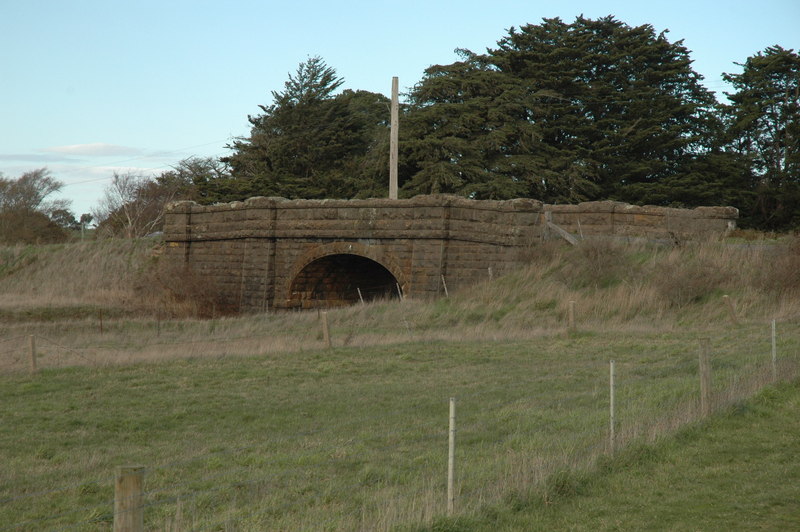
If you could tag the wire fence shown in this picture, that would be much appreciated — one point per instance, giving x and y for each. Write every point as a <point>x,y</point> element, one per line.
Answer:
<point>515,432</point>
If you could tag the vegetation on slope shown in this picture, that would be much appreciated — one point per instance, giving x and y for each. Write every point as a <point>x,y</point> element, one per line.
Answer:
<point>610,281</point>
<point>71,280</point>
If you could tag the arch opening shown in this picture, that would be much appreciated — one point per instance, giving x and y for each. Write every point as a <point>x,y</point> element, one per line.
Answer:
<point>335,281</point>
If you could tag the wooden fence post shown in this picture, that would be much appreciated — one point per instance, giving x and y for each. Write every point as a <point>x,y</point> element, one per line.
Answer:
<point>326,332</point>
<point>451,460</point>
<point>571,316</point>
<point>129,499</point>
<point>546,222</point>
<point>731,309</point>
<point>705,377</point>
<point>612,429</point>
<point>774,352</point>
<point>32,353</point>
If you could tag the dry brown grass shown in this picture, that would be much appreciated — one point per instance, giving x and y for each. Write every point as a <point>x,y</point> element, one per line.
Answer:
<point>115,301</point>
<point>94,273</point>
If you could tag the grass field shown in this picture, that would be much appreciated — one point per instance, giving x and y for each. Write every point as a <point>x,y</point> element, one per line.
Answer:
<point>248,423</point>
<point>737,471</point>
<point>349,439</point>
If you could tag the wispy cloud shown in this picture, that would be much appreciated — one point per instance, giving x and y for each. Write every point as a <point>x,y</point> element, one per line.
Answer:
<point>95,149</point>
<point>36,157</point>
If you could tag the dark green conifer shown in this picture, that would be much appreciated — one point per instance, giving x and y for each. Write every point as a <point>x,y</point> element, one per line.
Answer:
<point>311,143</point>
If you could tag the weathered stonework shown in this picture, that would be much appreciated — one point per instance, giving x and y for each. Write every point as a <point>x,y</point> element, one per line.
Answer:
<point>271,253</point>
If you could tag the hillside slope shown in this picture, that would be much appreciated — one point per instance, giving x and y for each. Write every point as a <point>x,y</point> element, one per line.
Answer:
<point>611,283</point>
<point>70,277</point>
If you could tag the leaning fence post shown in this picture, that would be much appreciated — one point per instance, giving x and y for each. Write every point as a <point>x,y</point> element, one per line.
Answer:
<point>444,285</point>
<point>129,499</point>
<point>774,352</point>
<point>451,460</point>
<point>611,432</point>
<point>32,353</point>
<point>705,378</point>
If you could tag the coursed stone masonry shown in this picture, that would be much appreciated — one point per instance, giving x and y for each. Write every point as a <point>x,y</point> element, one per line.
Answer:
<point>273,253</point>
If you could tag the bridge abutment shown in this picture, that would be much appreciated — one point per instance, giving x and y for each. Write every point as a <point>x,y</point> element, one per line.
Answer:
<point>272,253</point>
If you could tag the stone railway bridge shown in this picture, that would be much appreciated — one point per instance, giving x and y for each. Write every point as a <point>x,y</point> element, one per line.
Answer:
<point>273,253</point>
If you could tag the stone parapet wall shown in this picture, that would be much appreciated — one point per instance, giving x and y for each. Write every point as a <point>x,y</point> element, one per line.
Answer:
<point>610,218</point>
<point>252,253</point>
<point>503,222</point>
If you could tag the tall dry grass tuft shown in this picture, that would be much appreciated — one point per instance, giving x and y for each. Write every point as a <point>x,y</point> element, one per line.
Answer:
<point>683,277</point>
<point>779,270</point>
<point>176,291</point>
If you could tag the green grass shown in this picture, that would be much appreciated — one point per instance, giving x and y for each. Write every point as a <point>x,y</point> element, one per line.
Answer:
<point>353,438</point>
<point>736,471</point>
<point>246,423</point>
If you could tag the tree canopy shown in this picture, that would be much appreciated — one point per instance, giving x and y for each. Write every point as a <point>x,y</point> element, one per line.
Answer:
<point>311,143</point>
<point>27,214</point>
<point>133,204</point>
<point>764,127</point>
<point>562,112</point>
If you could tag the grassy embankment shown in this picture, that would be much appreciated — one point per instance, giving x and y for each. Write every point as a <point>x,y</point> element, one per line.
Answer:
<point>247,422</point>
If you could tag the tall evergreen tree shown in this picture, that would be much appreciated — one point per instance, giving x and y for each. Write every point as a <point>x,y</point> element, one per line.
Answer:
<point>566,112</point>
<point>461,131</point>
<point>764,117</point>
<point>311,143</point>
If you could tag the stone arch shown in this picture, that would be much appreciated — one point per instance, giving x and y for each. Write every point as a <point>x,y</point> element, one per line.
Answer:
<point>332,274</point>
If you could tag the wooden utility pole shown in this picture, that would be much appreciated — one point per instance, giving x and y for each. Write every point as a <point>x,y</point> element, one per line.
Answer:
<point>393,140</point>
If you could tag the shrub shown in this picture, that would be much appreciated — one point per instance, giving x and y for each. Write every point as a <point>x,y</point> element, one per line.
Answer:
<point>683,277</point>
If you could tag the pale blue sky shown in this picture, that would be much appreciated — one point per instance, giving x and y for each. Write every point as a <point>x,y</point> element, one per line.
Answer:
<point>93,86</point>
